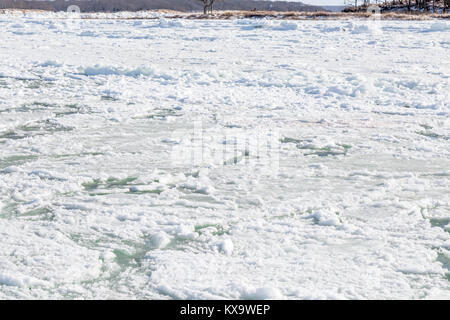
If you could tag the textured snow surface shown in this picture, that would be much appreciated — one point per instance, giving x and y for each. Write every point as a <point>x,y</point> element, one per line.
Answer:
<point>93,205</point>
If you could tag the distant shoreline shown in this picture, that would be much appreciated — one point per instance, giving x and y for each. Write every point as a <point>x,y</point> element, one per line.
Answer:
<point>227,15</point>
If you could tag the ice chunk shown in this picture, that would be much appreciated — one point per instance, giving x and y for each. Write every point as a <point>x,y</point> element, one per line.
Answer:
<point>159,240</point>
<point>263,293</point>
<point>225,246</point>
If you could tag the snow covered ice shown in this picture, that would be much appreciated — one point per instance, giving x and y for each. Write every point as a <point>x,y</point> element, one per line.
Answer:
<point>93,204</point>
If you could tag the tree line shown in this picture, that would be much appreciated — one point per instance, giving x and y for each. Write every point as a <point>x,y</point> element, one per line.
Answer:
<point>409,5</point>
<point>177,5</point>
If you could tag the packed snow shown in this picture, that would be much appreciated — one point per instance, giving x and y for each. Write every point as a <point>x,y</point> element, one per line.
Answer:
<point>105,191</point>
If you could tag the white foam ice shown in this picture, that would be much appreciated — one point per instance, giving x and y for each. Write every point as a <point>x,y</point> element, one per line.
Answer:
<point>351,202</point>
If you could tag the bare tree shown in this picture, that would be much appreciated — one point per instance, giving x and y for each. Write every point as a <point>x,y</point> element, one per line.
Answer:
<point>207,5</point>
